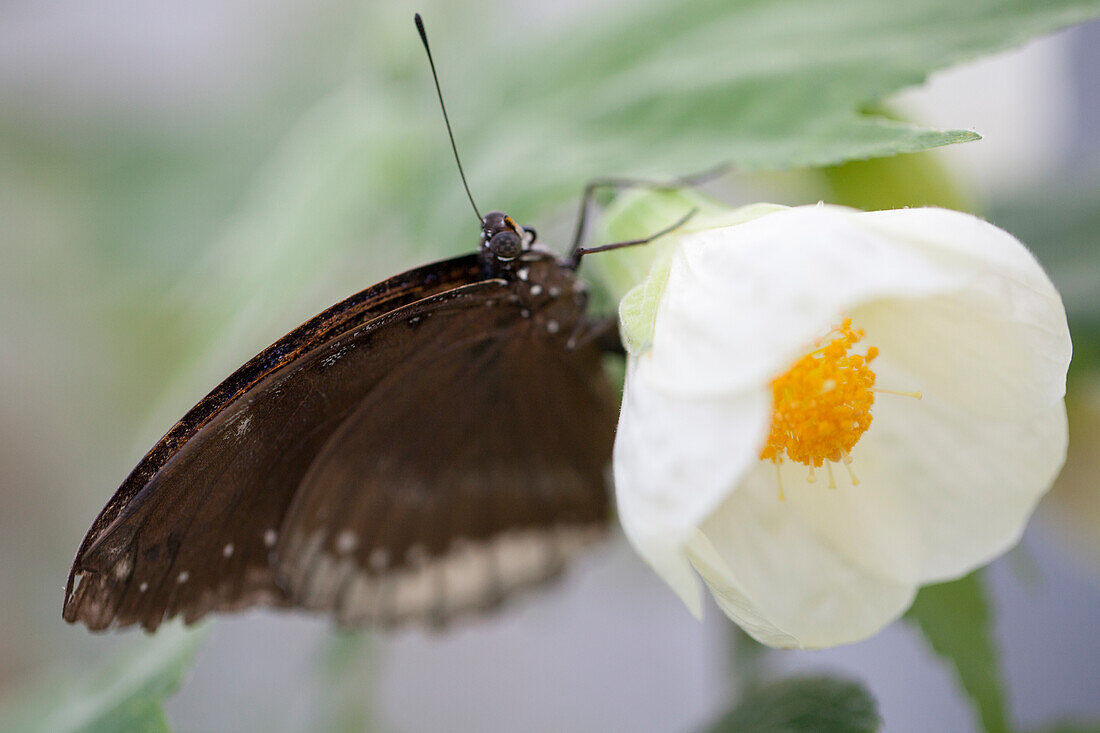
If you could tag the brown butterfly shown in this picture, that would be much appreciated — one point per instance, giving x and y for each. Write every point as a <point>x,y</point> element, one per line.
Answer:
<point>417,451</point>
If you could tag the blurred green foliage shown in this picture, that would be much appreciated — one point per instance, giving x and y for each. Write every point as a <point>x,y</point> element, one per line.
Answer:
<point>803,705</point>
<point>956,620</point>
<point>344,674</point>
<point>124,695</point>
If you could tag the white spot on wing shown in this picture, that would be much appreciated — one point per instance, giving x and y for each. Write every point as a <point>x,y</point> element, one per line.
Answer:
<point>327,575</point>
<point>414,593</point>
<point>143,587</point>
<point>552,326</point>
<point>183,577</point>
<point>522,557</point>
<point>471,575</point>
<point>123,567</point>
<point>346,541</point>
<point>536,289</point>
<point>243,425</point>
<point>270,536</point>
<point>227,551</point>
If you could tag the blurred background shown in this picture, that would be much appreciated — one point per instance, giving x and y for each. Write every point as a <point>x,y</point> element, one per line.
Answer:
<point>183,182</point>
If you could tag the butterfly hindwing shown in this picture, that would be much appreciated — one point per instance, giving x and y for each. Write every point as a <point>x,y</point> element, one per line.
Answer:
<point>474,468</point>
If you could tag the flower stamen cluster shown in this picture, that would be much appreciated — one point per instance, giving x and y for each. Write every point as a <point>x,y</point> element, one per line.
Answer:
<point>822,405</point>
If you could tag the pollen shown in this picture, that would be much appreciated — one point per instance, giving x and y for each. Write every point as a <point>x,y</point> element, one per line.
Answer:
<point>821,406</point>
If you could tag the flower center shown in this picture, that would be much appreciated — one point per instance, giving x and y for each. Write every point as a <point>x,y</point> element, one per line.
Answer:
<point>822,405</point>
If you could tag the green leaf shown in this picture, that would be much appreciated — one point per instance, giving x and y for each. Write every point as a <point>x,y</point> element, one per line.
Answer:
<point>124,695</point>
<point>955,619</point>
<point>765,84</point>
<point>803,705</point>
<point>893,183</point>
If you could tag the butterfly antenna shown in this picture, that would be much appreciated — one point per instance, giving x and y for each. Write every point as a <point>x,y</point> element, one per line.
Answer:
<point>446,119</point>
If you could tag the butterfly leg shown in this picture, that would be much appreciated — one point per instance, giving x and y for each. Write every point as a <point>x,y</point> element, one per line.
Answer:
<point>597,184</point>
<point>575,260</point>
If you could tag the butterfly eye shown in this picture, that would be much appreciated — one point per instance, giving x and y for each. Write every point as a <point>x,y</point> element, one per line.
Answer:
<point>506,245</point>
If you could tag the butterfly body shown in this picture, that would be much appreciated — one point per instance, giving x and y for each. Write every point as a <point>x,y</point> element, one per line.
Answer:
<point>416,452</point>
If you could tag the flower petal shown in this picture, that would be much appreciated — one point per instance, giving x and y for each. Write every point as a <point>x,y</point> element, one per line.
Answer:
<point>783,583</point>
<point>666,476</point>
<point>942,491</point>
<point>962,241</point>
<point>996,349</point>
<point>743,302</point>
<point>1001,346</point>
<point>949,482</point>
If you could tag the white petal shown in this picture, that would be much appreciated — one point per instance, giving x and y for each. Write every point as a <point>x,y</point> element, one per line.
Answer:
<point>675,460</point>
<point>742,303</point>
<point>948,482</point>
<point>1000,347</point>
<point>782,582</point>
<point>942,491</point>
<point>997,349</point>
<point>964,241</point>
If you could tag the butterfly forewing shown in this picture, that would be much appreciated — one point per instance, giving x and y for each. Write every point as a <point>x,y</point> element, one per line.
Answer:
<point>120,570</point>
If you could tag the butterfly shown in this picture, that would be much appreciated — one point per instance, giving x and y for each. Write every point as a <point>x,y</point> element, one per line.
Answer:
<point>416,452</point>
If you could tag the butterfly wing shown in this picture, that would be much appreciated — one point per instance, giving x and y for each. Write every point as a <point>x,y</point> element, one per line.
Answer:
<point>196,525</point>
<point>474,468</point>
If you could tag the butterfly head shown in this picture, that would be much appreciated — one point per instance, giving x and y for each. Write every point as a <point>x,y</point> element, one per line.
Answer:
<point>502,238</point>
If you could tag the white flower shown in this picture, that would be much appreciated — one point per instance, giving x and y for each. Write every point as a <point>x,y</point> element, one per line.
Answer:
<point>955,308</point>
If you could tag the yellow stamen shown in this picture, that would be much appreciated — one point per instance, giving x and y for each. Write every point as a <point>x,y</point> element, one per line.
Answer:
<point>915,395</point>
<point>779,481</point>
<point>822,405</point>
<point>847,462</point>
<point>832,479</point>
